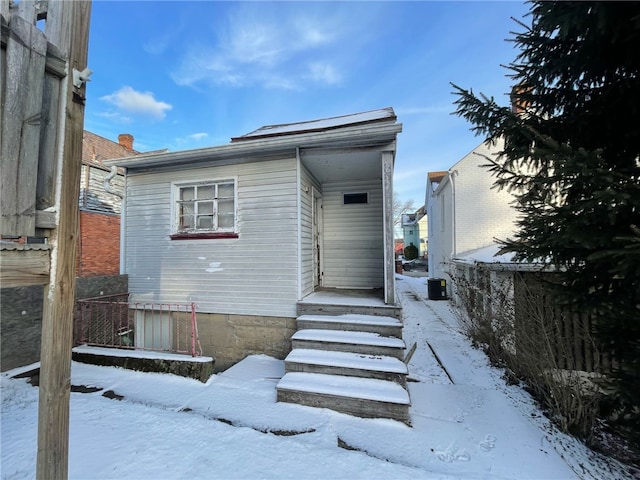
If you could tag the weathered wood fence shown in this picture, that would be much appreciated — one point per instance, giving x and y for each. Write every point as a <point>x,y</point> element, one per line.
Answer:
<point>562,339</point>
<point>33,69</point>
<point>512,309</point>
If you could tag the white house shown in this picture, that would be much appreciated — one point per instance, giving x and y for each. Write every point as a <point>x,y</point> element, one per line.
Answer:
<point>249,229</point>
<point>464,212</point>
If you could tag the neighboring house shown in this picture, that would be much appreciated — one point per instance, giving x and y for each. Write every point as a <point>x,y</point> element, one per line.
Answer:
<point>248,229</point>
<point>99,242</point>
<point>423,229</point>
<point>465,213</point>
<point>414,230</point>
<point>410,234</point>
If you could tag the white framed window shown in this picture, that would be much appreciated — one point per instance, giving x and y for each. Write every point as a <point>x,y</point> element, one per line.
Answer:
<point>205,209</point>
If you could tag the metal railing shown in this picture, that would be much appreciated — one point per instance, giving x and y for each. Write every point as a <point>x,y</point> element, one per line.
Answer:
<point>114,321</point>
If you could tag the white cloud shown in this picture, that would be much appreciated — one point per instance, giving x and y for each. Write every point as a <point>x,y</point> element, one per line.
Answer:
<point>140,103</point>
<point>264,49</point>
<point>322,72</point>
<point>198,136</point>
<point>116,117</point>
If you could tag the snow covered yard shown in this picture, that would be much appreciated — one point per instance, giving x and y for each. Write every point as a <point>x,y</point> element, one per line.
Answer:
<point>466,422</point>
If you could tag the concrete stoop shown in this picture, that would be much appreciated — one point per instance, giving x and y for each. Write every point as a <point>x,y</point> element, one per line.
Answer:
<point>367,343</point>
<point>362,397</point>
<point>200,368</point>
<point>348,363</point>
<point>386,326</point>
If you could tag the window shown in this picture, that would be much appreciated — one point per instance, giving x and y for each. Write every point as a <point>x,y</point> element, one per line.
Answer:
<point>350,198</point>
<point>205,210</point>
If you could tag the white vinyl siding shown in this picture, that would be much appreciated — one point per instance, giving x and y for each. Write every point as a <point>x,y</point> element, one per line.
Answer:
<point>353,236</point>
<point>93,196</point>
<point>254,274</point>
<point>307,187</point>
<point>441,239</point>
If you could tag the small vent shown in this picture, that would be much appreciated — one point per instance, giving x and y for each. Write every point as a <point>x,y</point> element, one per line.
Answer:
<point>350,198</point>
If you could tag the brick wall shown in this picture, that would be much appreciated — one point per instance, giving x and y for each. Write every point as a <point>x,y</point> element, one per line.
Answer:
<point>99,246</point>
<point>482,213</point>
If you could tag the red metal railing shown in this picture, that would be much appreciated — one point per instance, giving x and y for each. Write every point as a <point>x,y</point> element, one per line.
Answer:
<point>114,321</point>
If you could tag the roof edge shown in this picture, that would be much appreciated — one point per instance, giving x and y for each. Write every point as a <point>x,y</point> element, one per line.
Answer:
<point>263,146</point>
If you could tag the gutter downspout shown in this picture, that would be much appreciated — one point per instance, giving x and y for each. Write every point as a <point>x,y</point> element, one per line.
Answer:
<point>107,183</point>
<point>109,189</point>
<point>454,249</point>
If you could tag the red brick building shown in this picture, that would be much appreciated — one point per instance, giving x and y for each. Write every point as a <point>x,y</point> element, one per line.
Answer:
<point>99,242</point>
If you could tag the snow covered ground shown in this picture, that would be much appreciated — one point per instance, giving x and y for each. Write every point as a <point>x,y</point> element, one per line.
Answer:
<point>466,422</point>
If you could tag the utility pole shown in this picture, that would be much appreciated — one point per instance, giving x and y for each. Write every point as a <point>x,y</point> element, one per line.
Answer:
<point>67,27</point>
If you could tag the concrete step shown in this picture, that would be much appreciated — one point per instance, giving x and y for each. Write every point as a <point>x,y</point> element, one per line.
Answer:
<point>313,308</point>
<point>346,341</point>
<point>386,326</point>
<point>362,397</point>
<point>346,364</point>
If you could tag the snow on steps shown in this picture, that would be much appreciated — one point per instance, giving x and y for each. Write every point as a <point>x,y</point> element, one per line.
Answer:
<point>346,363</point>
<point>387,326</point>
<point>363,397</point>
<point>348,341</point>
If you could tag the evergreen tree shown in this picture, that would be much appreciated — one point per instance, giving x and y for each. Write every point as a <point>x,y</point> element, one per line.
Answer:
<point>572,158</point>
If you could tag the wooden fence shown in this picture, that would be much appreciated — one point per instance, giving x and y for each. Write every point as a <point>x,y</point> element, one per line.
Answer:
<point>561,339</point>
<point>512,310</point>
<point>33,70</point>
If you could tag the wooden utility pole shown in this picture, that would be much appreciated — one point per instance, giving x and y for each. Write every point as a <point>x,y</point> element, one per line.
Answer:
<point>67,27</point>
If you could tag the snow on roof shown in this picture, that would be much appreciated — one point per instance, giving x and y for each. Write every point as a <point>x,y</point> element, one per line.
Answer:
<point>489,256</point>
<point>381,115</point>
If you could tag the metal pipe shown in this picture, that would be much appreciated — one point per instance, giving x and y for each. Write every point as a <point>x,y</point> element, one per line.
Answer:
<point>107,182</point>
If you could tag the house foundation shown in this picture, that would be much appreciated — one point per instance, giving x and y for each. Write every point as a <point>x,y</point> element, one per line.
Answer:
<point>230,338</point>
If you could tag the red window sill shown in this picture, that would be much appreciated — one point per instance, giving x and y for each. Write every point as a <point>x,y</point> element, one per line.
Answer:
<point>202,236</point>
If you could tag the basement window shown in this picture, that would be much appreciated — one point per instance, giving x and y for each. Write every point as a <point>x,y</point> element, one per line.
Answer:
<point>351,198</point>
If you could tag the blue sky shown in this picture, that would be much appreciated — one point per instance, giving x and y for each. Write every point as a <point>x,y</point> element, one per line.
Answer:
<point>182,75</point>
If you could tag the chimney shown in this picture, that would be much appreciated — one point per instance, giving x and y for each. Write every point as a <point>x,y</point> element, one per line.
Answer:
<point>519,98</point>
<point>126,140</point>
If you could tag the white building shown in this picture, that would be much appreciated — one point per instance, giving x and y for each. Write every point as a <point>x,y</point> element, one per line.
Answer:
<point>248,229</point>
<point>464,212</point>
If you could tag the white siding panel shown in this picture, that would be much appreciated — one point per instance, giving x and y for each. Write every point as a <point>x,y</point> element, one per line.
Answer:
<point>308,184</point>
<point>255,274</point>
<point>441,231</point>
<point>353,236</point>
